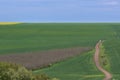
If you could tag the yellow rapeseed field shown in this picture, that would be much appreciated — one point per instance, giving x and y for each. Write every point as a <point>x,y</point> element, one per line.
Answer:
<point>9,23</point>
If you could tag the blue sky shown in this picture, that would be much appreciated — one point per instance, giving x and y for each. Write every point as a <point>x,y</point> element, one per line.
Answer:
<point>60,10</point>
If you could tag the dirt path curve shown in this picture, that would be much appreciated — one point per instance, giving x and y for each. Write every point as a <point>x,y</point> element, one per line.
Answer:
<point>108,76</point>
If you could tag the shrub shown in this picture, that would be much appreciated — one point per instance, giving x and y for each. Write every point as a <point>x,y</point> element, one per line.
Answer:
<point>41,77</point>
<point>9,71</point>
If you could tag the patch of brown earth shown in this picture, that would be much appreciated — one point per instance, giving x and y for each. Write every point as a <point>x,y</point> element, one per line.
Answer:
<point>35,60</point>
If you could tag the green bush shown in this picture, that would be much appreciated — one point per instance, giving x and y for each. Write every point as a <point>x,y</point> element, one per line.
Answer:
<point>10,71</point>
<point>41,77</point>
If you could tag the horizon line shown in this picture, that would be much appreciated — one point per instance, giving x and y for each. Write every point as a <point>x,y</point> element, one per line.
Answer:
<point>59,22</point>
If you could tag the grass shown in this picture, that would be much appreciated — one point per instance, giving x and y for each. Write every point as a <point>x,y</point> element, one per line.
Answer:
<point>112,47</point>
<point>72,70</point>
<point>104,59</point>
<point>78,68</point>
<point>28,37</point>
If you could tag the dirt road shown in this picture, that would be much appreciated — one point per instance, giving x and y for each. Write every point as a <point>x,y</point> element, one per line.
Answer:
<point>108,76</point>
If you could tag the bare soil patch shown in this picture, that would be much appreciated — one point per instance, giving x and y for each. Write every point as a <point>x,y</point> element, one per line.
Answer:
<point>35,60</point>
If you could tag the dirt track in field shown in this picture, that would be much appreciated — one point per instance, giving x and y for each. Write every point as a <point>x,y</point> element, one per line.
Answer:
<point>108,76</point>
<point>43,58</point>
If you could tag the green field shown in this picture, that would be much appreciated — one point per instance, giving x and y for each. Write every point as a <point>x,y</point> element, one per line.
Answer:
<point>112,47</point>
<point>28,37</point>
<point>77,68</point>
<point>34,37</point>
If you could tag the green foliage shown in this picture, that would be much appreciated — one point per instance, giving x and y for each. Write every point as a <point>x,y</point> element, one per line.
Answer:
<point>10,71</point>
<point>41,77</point>
<point>14,72</point>
<point>104,59</point>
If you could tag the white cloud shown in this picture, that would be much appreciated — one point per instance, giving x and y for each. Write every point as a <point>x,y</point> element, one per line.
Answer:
<point>110,2</point>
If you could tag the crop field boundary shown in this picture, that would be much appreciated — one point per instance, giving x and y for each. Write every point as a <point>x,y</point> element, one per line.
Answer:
<point>43,58</point>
